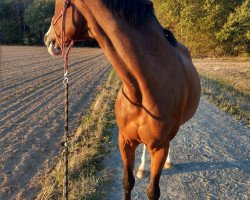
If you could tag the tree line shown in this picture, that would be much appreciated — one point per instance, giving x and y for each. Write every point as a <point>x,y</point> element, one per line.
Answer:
<point>24,21</point>
<point>207,27</point>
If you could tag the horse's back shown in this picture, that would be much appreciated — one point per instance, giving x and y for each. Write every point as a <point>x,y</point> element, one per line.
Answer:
<point>183,50</point>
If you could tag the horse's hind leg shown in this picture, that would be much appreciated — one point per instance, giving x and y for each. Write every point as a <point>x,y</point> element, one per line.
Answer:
<point>169,162</point>
<point>141,171</point>
<point>128,156</point>
<point>158,158</point>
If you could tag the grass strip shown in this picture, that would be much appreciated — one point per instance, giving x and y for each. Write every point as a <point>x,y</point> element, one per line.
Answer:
<point>87,150</point>
<point>227,98</point>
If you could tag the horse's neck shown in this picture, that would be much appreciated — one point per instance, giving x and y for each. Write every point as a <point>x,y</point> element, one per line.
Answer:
<point>123,46</point>
<point>119,48</point>
<point>122,55</point>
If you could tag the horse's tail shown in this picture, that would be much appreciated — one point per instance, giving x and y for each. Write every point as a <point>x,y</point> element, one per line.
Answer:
<point>170,37</point>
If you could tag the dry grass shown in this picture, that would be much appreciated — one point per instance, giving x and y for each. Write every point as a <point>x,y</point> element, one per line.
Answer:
<point>231,71</point>
<point>88,148</point>
<point>226,83</point>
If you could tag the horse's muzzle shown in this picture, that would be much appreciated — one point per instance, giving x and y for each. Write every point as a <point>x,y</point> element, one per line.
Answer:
<point>50,41</point>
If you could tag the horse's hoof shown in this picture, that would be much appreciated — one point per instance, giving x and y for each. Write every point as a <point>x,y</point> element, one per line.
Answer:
<point>168,165</point>
<point>141,174</point>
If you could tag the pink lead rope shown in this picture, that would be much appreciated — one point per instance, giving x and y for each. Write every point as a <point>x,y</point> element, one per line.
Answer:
<point>66,102</point>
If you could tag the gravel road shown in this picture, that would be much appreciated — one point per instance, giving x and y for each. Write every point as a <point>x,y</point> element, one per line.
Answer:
<point>31,115</point>
<point>211,156</point>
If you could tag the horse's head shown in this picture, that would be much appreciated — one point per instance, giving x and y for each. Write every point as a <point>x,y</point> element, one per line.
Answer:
<point>75,26</point>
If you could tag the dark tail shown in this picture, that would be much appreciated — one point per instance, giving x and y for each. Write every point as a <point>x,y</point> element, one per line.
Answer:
<point>170,37</point>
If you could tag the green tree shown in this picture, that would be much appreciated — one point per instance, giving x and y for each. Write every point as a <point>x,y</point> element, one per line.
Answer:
<point>10,21</point>
<point>12,24</point>
<point>168,12</point>
<point>235,34</point>
<point>8,32</point>
<point>196,22</point>
<point>38,19</point>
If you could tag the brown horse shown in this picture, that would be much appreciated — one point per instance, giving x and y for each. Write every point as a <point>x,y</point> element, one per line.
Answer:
<point>160,86</point>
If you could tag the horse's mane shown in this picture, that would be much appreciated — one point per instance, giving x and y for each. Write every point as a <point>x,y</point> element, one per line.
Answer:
<point>133,11</point>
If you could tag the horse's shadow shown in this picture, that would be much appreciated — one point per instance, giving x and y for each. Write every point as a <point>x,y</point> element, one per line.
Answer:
<point>181,168</point>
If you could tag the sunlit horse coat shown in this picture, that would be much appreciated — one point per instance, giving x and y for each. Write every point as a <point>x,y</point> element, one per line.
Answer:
<point>160,86</point>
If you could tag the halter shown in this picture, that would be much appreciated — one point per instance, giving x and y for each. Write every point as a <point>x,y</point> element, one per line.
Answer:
<point>63,38</point>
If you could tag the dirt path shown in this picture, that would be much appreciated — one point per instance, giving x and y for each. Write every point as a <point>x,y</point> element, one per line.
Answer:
<point>31,115</point>
<point>211,154</point>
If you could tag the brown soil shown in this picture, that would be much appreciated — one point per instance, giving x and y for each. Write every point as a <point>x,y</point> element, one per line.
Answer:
<point>31,116</point>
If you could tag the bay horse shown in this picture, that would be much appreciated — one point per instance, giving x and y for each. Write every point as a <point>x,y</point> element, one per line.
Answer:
<point>160,86</point>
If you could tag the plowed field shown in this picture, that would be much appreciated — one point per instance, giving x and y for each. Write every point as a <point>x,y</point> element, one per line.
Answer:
<point>31,114</point>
